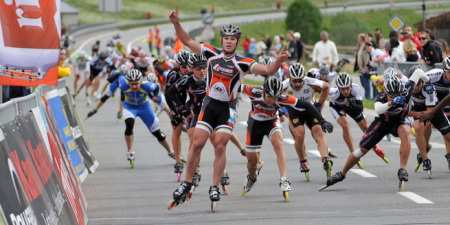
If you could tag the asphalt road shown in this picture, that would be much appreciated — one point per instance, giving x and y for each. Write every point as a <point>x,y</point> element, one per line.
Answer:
<point>118,195</point>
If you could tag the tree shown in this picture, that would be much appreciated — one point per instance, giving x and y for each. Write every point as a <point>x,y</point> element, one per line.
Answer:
<point>304,17</point>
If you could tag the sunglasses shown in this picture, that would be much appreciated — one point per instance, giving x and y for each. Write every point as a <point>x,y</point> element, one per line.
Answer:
<point>297,81</point>
<point>423,38</point>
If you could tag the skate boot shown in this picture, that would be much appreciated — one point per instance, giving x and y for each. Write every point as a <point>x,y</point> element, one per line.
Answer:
<point>360,165</point>
<point>181,194</point>
<point>304,168</point>
<point>403,178</point>
<point>447,156</point>
<point>259,167</point>
<point>196,179</point>
<point>380,153</point>
<point>426,165</point>
<point>178,170</point>
<point>250,181</point>
<point>285,186</point>
<point>225,182</point>
<point>214,196</point>
<point>331,154</point>
<point>131,158</point>
<point>419,162</point>
<point>327,166</point>
<point>338,177</point>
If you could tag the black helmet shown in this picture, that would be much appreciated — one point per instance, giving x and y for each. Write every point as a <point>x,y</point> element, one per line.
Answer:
<point>182,58</point>
<point>197,60</point>
<point>230,30</point>
<point>103,55</point>
<point>273,86</point>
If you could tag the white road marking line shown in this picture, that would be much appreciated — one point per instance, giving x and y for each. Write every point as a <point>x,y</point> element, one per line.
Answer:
<point>315,153</point>
<point>289,141</point>
<point>243,123</point>
<point>363,173</point>
<point>415,197</point>
<point>130,44</point>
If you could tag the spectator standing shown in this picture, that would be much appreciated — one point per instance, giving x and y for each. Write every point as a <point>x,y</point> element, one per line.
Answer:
<point>445,49</point>
<point>299,45</point>
<point>407,34</point>
<point>246,46</point>
<point>325,51</point>
<point>412,55</point>
<point>364,70</point>
<point>268,42</point>
<point>252,48</point>
<point>380,42</point>
<point>292,48</point>
<point>360,42</point>
<point>396,51</point>
<point>150,38</point>
<point>431,51</point>
<point>260,48</point>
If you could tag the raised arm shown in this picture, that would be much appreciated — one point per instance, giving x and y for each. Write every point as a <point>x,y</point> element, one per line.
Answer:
<point>270,69</point>
<point>182,34</point>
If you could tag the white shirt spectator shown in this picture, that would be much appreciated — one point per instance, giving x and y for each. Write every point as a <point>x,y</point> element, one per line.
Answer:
<point>325,53</point>
<point>398,54</point>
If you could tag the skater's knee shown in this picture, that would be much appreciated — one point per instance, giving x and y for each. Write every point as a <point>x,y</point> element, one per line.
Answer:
<point>129,125</point>
<point>403,131</point>
<point>159,135</point>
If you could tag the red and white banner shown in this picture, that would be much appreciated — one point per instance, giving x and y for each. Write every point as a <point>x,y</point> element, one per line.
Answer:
<point>29,41</point>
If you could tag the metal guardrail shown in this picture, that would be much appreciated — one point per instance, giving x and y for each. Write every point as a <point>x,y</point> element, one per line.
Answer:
<point>405,67</point>
<point>19,106</point>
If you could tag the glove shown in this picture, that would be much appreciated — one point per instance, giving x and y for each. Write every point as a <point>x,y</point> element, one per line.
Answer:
<point>318,106</point>
<point>327,127</point>
<point>429,88</point>
<point>399,101</point>
<point>283,111</point>
<point>91,113</point>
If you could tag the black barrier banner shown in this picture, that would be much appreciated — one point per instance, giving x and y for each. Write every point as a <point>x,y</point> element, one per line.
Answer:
<point>74,122</point>
<point>31,192</point>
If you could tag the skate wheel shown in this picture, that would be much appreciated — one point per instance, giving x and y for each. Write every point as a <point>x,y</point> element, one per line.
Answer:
<point>213,207</point>
<point>307,177</point>
<point>386,160</point>
<point>429,174</point>
<point>225,189</point>
<point>401,186</point>
<point>172,204</point>
<point>132,164</point>
<point>286,196</point>
<point>417,167</point>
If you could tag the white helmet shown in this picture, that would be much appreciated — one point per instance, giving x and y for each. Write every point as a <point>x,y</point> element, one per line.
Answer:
<point>296,71</point>
<point>343,80</point>
<point>393,86</point>
<point>133,75</point>
<point>446,64</point>
<point>265,60</point>
<point>390,72</point>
